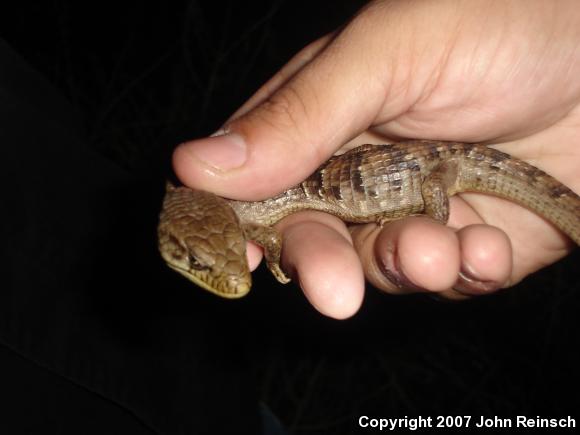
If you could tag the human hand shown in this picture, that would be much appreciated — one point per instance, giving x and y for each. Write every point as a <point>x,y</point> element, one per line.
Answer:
<point>504,73</point>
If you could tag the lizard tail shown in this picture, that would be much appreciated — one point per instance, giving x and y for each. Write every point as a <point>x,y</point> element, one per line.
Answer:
<point>524,184</point>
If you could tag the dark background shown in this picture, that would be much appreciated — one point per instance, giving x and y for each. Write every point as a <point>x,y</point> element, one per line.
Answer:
<point>145,76</point>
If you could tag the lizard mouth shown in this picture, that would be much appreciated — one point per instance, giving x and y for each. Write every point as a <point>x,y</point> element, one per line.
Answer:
<point>236,287</point>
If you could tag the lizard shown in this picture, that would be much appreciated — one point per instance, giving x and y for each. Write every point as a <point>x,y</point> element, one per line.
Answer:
<point>203,236</point>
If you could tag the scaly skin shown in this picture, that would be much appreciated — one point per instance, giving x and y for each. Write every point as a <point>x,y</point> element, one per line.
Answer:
<point>203,236</point>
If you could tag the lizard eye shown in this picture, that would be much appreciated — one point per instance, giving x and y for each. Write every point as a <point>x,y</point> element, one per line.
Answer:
<point>194,263</point>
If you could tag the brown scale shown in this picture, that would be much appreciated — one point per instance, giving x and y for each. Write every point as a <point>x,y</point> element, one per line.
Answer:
<point>203,236</point>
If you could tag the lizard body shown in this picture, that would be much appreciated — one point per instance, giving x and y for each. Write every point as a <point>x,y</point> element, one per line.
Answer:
<point>203,236</point>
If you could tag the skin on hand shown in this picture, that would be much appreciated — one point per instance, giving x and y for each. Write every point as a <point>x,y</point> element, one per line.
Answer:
<point>503,73</point>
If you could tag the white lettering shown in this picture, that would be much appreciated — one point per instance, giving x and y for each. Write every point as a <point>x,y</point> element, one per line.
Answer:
<point>523,421</point>
<point>395,423</point>
<point>494,422</point>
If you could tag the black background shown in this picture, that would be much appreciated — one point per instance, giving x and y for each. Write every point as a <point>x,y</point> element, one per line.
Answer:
<point>145,76</point>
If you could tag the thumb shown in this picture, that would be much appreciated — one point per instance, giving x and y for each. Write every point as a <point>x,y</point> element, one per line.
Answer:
<point>331,99</point>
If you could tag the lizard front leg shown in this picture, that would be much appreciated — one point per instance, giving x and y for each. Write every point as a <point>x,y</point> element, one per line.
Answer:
<point>269,239</point>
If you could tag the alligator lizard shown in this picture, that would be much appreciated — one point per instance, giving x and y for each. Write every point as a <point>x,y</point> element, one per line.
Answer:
<point>203,236</point>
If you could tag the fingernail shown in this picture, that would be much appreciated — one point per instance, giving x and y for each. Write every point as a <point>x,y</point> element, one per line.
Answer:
<point>469,285</point>
<point>390,268</point>
<point>220,151</point>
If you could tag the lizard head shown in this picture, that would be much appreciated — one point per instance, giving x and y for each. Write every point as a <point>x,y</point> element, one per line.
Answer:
<point>200,237</point>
